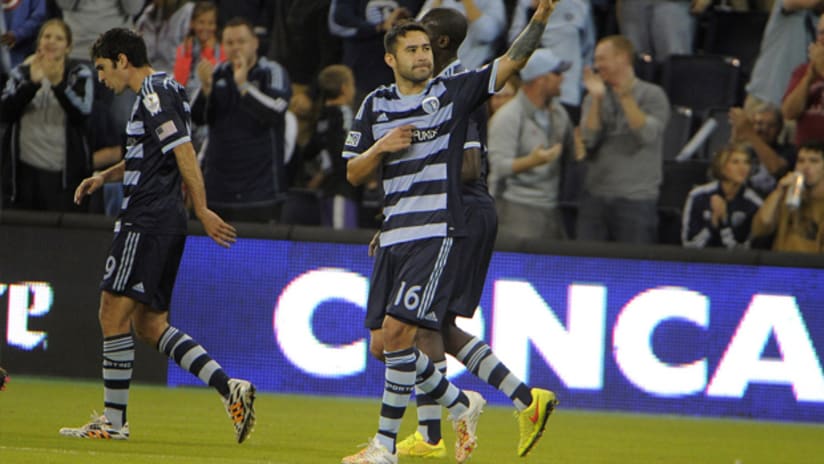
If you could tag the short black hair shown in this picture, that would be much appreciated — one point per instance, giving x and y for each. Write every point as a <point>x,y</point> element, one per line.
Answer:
<point>813,145</point>
<point>400,29</point>
<point>446,22</point>
<point>119,40</point>
<point>240,21</point>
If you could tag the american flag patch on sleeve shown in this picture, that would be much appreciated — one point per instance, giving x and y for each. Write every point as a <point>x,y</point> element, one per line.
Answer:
<point>166,130</point>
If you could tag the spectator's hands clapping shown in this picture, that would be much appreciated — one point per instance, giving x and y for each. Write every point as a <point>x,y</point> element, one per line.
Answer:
<point>399,138</point>
<point>542,155</point>
<point>204,74</point>
<point>53,67</point>
<point>719,210</point>
<point>593,83</point>
<point>740,123</point>
<point>815,52</point>
<point>240,66</point>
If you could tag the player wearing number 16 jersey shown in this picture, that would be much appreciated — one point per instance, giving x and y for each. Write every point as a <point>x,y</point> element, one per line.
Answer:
<point>404,134</point>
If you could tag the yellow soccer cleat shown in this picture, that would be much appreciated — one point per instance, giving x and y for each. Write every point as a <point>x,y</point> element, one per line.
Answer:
<point>532,420</point>
<point>415,445</point>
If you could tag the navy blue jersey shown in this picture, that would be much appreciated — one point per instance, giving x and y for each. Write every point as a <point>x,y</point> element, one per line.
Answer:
<point>476,189</point>
<point>422,184</point>
<point>160,121</point>
<point>697,230</point>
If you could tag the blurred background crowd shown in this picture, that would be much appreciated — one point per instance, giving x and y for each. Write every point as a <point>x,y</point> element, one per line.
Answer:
<point>640,121</point>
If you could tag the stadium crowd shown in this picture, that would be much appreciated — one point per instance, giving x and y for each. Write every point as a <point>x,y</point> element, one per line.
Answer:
<point>590,142</point>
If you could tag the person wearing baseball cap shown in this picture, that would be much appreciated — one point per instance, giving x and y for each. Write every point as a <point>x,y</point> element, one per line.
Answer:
<point>530,138</point>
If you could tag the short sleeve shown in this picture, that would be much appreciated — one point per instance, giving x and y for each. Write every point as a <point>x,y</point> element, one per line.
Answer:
<point>166,118</point>
<point>471,88</point>
<point>359,138</point>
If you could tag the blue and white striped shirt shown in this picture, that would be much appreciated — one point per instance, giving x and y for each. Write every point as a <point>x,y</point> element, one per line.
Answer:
<point>422,184</point>
<point>160,121</point>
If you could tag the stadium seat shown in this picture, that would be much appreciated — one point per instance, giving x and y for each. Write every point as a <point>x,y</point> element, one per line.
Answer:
<point>678,131</point>
<point>646,68</point>
<point>735,33</point>
<point>701,82</point>
<point>720,137</point>
<point>678,179</point>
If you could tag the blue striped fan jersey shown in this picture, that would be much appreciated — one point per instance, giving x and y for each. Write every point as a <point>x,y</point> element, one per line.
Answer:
<point>422,184</point>
<point>160,121</point>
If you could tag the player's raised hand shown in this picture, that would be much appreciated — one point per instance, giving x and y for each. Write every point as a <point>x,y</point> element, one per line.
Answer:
<point>87,187</point>
<point>220,231</point>
<point>397,139</point>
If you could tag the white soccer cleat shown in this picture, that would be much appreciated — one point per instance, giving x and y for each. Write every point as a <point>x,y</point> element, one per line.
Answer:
<point>374,453</point>
<point>241,407</point>
<point>99,428</point>
<point>465,426</point>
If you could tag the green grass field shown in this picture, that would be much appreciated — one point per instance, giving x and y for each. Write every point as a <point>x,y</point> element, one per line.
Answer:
<point>189,426</point>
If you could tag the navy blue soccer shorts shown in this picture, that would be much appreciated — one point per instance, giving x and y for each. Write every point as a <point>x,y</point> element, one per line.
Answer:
<point>143,266</point>
<point>413,282</point>
<point>473,253</point>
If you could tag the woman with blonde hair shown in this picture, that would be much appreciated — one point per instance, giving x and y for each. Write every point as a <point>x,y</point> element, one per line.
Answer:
<point>47,102</point>
<point>720,213</point>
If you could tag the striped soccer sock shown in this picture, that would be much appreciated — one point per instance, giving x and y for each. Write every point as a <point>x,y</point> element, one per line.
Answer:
<point>478,357</point>
<point>189,355</point>
<point>438,387</point>
<point>118,361</point>
<point>400,379</point>
<point>429,411</point>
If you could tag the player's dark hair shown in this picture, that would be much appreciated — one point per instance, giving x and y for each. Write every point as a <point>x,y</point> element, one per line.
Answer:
<point>118,41</point>
<point>447,22</point>
<point>332,79</point>
<point>240,21</point>
<point>400,29</point>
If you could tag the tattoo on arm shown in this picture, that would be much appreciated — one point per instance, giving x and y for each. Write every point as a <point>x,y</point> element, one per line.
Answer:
<point>527,41</point>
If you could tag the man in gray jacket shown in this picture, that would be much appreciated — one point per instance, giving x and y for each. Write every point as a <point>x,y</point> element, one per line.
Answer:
<point>527,138</point>
<point>623,130</point>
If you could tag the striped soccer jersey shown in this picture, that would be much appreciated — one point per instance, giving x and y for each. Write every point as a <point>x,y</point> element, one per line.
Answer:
<point>422,184</point>
<point>160,121</point>
<point>477,189</point>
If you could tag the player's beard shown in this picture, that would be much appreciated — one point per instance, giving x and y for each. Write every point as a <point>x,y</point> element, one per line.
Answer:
<point>418,74</point>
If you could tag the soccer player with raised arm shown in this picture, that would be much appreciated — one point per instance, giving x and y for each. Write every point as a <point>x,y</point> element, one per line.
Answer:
<point>149,236</point>
<point>403,133</point>
<point>447,29</point>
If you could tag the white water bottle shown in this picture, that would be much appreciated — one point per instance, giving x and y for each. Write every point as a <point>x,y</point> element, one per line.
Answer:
<point>794,191</point>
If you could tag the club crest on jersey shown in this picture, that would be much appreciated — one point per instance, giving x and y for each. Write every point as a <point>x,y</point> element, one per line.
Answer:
<point>431,104</point>
<point>353,139</point>
<point>152,103</point>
